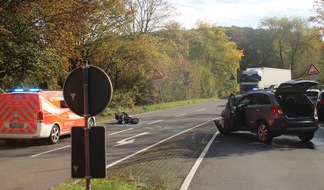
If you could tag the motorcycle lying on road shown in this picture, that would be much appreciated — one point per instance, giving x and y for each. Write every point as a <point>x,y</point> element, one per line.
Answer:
<point>124,118</point>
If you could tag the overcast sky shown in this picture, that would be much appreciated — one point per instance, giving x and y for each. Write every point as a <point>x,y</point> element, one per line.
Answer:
<point>238,12</point>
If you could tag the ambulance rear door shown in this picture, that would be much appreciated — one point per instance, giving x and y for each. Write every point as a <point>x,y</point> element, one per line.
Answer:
<point>18,114</point>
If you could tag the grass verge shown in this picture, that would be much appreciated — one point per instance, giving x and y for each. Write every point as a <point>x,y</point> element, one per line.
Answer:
<point>101,184</point>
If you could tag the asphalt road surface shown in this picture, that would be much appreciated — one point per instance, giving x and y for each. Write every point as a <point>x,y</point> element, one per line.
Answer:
<point>240,162</point>
<point>236,161</point>
<point>36,165</point>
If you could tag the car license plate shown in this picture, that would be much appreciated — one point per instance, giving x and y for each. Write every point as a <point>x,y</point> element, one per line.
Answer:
<point>16,125</point>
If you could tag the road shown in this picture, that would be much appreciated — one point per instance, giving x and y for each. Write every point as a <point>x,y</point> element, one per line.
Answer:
<point>239,162</point>
<point>35,165</point>
<point>236,161</point>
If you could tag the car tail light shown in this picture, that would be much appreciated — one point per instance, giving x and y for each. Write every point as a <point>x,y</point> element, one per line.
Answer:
<point>276,110</point>
<point>320,102</point>
<point>315,113</point>
<point>40,117</point>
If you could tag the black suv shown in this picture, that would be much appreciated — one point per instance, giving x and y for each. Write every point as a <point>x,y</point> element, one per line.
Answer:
<point>285,111</point>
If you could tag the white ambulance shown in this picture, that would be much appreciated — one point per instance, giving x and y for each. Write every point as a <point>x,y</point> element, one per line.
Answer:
<point>36,114</point>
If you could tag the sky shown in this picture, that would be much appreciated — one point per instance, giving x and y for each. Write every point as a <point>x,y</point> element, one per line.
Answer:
<point>242,13</point>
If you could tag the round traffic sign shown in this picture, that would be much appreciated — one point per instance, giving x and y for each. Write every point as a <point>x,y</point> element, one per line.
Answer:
<point>98,88</point>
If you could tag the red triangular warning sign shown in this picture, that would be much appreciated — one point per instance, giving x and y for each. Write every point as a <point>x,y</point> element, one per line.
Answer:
<point>157,75</point>
<point>312,70</point>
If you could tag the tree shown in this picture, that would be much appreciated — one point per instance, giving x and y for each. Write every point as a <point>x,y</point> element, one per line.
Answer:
<point>39,38</point>
<point>220,56</point>
<point>319,18</point>
<point>257,46</point>
<point>18,42</point>
<point>175,82</point>
<point>43,40</point>
<point>295,43</point>
<point>150,15</point>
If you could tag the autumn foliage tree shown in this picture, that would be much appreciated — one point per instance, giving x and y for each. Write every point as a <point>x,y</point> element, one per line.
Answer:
<point>319,18</point>
<point>18,42</point>
<point>295,42</point>
<point>149,15</point>
<point>41,41</point>
<point>39,37</point>
<point>216,58</point>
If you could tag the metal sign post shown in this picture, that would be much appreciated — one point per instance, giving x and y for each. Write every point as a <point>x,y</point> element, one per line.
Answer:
<point>158,78</point>
<point>88,98</point>
<point>86,126</point>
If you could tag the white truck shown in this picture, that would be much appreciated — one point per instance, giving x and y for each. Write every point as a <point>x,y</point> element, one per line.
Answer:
<point>263,78</point>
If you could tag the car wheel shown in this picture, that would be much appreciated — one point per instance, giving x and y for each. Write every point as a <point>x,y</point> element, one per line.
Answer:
<point>306,136</point>
<point>263,133</point>
<point>55,135</point>
<point>134,120</point>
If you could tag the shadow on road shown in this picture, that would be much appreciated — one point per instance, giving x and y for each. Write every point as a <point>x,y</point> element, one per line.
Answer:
<point>245,143</point>
<point>27,143</point>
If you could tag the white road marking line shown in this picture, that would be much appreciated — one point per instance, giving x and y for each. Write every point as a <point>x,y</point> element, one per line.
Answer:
<point>194,168</point>
<point>129,140</point>
<point>35,155</point>
<point>180,115</point>
<point>155,122</point>
<point>155,144</point>
<point>46,152</point>
<point>200,110</point>
<point>120,131</point>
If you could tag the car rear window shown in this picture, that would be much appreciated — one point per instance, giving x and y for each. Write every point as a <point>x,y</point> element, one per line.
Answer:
<point>261,99</point>
<point>264,99</point>
<point>312,93</point>
<point>256,99</point>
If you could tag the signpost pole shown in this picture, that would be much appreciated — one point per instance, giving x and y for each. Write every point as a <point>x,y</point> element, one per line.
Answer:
<point>86,98</point>
<point>158,78</point>
<point>86,126</point>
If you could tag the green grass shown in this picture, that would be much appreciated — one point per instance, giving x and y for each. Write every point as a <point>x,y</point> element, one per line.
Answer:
<point>101,184</point>
<point>117,183</point>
